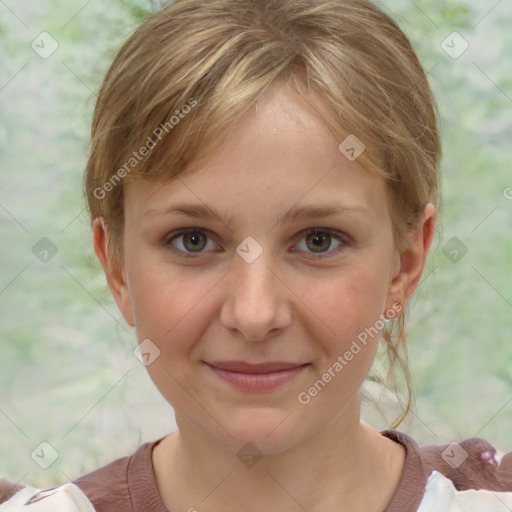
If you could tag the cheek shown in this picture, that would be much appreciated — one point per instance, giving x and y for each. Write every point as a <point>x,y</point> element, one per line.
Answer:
<point>171,310</point>
<point>170,303</point>
<point>164,306</point>
<point>348,303</point>
<point>346,328</point>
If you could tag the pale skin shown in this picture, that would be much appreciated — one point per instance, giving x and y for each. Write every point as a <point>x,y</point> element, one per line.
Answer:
<point>285,305</point>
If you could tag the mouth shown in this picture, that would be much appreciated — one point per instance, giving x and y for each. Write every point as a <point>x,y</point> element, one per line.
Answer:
<point>256,377</point>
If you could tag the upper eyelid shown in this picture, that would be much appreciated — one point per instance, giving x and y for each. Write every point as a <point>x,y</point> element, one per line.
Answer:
<point>183,231</point>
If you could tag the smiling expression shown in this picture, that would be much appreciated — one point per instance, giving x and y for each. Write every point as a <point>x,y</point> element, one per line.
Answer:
<point>278,248</point>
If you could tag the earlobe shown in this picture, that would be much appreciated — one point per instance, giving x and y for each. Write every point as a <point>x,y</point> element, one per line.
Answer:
<point>412,261</point>
<point>115,276</point>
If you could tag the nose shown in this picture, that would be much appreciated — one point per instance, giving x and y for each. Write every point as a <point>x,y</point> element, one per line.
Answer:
<point>256,305</point>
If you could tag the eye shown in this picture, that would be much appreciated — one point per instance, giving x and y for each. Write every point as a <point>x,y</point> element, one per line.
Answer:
<point>190,242</point>
<point>194,240</point>
<point>319,239</point>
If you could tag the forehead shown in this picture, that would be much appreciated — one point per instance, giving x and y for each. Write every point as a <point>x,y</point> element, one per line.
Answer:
<point>279,153</point>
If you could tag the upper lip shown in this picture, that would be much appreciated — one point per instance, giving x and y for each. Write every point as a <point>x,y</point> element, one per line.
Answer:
<point>244,367</point>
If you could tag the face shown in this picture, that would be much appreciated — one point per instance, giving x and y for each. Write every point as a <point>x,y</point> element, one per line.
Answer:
<point>269,282</point>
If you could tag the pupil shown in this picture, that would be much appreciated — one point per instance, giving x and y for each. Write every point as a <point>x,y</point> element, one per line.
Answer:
<point>195,238</point>
<point>318,239</point>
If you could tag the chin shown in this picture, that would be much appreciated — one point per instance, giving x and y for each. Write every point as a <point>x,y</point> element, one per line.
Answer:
<point>270,431</point>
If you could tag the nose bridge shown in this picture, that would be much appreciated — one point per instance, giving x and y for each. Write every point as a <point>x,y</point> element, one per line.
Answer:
<point>253,278</point>
<point>254,305</point>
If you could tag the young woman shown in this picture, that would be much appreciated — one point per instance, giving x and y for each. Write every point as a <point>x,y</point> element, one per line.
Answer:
<point>262,186</point>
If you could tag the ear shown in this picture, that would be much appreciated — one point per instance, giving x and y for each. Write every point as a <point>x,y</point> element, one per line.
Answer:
<point>115,276</point>
<point>412,261</point>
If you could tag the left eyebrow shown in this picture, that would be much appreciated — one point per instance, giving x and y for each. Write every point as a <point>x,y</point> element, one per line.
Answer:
<point>202,211</point>
<point>321,211</point>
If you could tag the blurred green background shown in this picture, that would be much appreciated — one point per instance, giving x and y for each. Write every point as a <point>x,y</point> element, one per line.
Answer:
<point>67,370</point>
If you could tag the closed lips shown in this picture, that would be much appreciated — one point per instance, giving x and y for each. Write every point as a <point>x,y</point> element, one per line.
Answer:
<point>249,368</point>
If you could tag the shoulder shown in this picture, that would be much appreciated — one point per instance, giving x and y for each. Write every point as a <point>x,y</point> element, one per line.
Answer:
<point>471,463</point>
<point>108,488</point>
<point>470,474</point>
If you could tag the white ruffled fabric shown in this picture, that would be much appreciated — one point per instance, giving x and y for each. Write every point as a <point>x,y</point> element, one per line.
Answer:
<point>442,496</point>
<point>66,498</point>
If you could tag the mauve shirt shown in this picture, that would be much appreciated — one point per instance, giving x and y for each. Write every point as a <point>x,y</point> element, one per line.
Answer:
<point>469,475</point>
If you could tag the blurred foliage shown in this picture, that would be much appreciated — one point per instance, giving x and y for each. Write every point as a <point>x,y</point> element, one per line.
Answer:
<point>137,11</point>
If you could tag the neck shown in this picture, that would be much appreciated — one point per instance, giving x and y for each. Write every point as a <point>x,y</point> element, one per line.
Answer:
<point>335,469</point>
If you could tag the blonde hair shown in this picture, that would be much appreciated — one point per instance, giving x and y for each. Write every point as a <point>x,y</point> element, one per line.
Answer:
<point>190,70</point>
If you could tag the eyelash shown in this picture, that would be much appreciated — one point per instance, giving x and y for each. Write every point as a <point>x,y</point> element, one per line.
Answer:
<point>339,236</point>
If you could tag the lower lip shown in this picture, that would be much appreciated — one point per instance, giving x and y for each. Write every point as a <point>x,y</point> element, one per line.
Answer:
<point>258,381</point>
